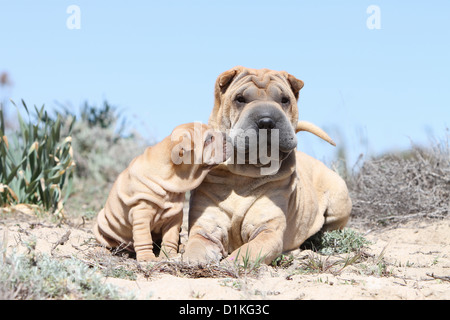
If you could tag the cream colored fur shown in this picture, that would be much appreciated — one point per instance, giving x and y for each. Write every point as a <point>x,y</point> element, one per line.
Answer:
<point>146,201</point>
<point>238,212</point>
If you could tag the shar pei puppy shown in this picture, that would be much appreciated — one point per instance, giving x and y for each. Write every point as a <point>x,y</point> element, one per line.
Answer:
<point>255,205</point>
<point>146,201</point>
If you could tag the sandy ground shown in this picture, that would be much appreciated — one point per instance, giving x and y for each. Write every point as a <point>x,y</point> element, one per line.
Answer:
<point>411,261</point>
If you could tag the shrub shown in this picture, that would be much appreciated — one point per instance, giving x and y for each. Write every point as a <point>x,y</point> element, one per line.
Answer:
<point>34,276</point>
<point>104,117</point>
<point>336,242</point>
<point>35,162</point>
<point>103,147</point>
<point>100,154</point>
<point>395,187</point>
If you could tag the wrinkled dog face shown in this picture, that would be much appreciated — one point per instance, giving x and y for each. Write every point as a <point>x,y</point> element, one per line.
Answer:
<point>258,108</point>
<point>199,146</point>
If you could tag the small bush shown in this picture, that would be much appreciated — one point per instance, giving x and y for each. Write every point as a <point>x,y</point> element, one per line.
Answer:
<point>35,162</point>
<point>37,277</point>
<point>399,186</point>
<point>104,117</point>
<point>336,242</point>
<point>100,153</point>
<point>103,146</point>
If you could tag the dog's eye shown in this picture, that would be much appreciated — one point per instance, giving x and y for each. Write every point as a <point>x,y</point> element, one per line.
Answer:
<point>285,100</point>
<point>240,98</point>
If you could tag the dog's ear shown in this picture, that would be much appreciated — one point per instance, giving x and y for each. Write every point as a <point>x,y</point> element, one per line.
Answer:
<point>224,79</point>
<point>222,83</point>
<point>295,84</point>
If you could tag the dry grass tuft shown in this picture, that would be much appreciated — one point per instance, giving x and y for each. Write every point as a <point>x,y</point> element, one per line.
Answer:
<point>401,186</point>
<point>183,269</point>
<point>114,264</point>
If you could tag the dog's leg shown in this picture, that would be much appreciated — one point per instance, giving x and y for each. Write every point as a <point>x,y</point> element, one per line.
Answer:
<point>205,246</point>
<point>208,234</point>
<point>142,239</point>
<point>262,233</point>
<point>337,213</point>
<point>337,202</point>
<point>171,236</point>
<point>263,248</point>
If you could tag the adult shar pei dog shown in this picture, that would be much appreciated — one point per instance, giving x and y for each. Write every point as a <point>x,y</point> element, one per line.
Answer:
<point>254,208</point>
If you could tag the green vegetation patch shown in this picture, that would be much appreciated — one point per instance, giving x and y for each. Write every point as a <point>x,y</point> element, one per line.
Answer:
<point>37,277</point>
<point>337,241</point>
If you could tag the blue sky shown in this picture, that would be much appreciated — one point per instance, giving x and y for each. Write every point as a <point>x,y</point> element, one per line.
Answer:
<point>373,90</point>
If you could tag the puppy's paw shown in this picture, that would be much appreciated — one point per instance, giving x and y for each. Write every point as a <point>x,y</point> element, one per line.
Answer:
<point>145,256</point>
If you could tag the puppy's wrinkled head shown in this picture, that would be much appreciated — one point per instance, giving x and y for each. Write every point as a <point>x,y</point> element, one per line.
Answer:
<point>198,145</point>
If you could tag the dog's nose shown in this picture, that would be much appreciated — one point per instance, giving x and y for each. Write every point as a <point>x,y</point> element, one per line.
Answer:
<point>266,123</point>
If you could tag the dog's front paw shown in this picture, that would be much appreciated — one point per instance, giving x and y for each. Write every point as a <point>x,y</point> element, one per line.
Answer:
<point>168,253</point>
<point>197,252</point>
<point>145,256</point>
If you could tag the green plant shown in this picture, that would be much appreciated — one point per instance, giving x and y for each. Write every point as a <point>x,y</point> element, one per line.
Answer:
<point>244,264</point>
<point>104,157</point>
<point>337,242</point>
<point>317,263</point>
<point>104,117</point>
<point>35,276</point>
<point>103,145</point>
<point>283,261</point>
<point>121,273</point>
<point>35,162</point>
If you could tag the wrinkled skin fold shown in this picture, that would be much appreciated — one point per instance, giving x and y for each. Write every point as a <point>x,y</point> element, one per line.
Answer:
<point>146,201</point>
<point>238,212</point>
